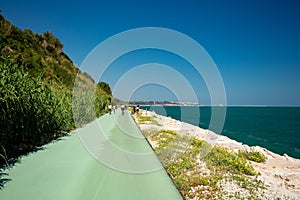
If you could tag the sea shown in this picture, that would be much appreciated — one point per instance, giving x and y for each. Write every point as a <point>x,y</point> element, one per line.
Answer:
<point>274,128</point>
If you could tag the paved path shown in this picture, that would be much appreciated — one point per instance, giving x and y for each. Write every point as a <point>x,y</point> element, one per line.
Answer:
<point>107,159</point>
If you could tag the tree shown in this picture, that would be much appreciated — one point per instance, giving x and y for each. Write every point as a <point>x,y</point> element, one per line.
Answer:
<point>105,87</point>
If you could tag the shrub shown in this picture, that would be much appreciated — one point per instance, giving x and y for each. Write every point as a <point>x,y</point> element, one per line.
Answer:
<point>147,119</point>
<point>88,102</point>
<point>192,162</point>
<point>253,156</point>
<point>222,158</point>
<point>32,113</point>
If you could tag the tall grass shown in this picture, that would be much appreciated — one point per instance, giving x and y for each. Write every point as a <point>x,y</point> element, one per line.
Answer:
<point>89,101</point>
<point>31,112</point>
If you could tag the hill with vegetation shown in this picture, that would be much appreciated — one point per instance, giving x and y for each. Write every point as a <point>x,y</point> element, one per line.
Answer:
<point>36,91</point>
<point>39,54</point>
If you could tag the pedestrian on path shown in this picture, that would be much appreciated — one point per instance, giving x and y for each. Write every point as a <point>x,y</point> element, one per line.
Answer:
<point>109,108</point>
<point>123,109</point>
<point>133,110</point>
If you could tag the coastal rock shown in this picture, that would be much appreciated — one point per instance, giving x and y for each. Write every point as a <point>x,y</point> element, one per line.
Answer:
<point>279,173</point>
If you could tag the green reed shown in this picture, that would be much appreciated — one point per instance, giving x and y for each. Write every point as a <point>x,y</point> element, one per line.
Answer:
<point>32,113</point>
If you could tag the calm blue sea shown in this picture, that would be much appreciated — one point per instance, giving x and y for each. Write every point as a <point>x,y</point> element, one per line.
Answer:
<point>275,128</point>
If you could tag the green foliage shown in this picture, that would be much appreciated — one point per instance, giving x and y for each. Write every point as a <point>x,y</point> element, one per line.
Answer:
<point>147,119</point>
<point>192,162</point>
<point>103,98</point>
<point>39,54</point>
<point>185,170</point>
<point>3,180</point>
<point>105,88</point>
<point>83,106</point>
<point>88,101</point>
<point>222,158</point>
<point>253,156</point>
<point>2,174</point>
<point>36,97</point>
<point>101,104</point>
<point>32,113</point>
<point>3,156</point>
<point>164,138</point>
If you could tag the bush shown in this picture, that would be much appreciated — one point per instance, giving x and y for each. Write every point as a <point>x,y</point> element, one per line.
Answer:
<point>31,112</point>
<point>221,157</point>
<point>88,102</point>
<point>198,169</point>
<point>253,156</point>
<point>147,120</point>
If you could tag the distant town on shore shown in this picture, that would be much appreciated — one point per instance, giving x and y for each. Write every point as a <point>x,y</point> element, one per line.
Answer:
<point>162,103</point>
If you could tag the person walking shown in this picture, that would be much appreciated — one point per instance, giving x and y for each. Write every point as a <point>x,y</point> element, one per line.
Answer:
<point>109,108</point>
<point>123,109</point>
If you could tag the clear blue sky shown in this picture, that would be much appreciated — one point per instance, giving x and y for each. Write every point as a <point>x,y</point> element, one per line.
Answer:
<point>255,44</point>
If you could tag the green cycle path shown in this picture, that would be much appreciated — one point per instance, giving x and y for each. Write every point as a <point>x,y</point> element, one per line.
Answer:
<point>107,159</point>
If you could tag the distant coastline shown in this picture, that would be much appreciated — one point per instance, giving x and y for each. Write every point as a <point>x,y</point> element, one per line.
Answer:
<point>170,103</point>
<point>163,103</point>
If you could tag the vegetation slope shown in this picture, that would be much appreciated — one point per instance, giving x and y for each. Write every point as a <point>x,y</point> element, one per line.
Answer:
<point>36,91</point>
